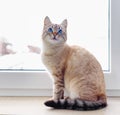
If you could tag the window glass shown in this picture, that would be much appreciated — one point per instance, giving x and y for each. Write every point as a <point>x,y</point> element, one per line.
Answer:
<point>21,23</point>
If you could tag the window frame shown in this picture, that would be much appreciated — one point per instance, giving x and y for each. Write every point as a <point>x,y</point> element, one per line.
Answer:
<point>38,83</point>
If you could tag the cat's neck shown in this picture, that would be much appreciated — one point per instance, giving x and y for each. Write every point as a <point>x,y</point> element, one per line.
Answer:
<point>51,50</point>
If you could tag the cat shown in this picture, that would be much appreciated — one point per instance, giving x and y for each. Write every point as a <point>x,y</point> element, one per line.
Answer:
<point>72,68</point>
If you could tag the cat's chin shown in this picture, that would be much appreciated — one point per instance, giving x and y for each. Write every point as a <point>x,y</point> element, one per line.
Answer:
<point>54,38</point>
<point>58,40</point>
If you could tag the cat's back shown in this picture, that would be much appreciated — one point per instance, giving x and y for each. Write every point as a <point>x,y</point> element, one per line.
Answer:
<point>80,53</point>
<point>82,59</point>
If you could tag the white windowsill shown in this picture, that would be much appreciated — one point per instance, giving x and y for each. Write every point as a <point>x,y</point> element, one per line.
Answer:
<point>39,85</point>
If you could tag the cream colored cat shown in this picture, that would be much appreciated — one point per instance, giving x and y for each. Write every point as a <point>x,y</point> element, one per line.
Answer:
<point>73,68</point>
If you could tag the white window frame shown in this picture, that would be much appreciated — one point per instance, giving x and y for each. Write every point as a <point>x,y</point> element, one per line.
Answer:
<point>39,83</point>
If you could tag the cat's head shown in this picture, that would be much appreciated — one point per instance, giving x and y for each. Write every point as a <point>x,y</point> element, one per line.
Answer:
<point>54,33</point>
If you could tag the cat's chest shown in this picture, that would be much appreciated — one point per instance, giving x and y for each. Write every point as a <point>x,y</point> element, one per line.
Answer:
<point>51,62</point>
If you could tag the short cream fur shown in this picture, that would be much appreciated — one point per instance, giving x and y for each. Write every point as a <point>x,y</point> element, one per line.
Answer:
<point>72,67</point>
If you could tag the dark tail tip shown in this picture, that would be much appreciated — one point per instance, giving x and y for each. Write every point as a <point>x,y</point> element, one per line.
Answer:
<point>51,103</point>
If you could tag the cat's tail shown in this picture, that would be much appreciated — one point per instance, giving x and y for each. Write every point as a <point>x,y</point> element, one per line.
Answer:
<point>76,104</point>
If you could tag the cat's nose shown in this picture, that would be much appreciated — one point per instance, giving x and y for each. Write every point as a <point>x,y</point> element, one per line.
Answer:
<point>54,33</point>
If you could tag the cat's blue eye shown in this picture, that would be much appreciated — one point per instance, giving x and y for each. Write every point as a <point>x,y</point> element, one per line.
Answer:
<point>50,30</point>
<point>60,31</point>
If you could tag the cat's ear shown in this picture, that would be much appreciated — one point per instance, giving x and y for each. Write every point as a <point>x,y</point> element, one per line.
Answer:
<point>64,23</point>
<point>47,21</point>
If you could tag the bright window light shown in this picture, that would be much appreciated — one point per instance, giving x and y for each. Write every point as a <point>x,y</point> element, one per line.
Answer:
<point>21,24</point>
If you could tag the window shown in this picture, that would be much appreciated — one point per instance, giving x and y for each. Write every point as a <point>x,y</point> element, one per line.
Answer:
<point>21,26</point>
<point>89,26</point>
